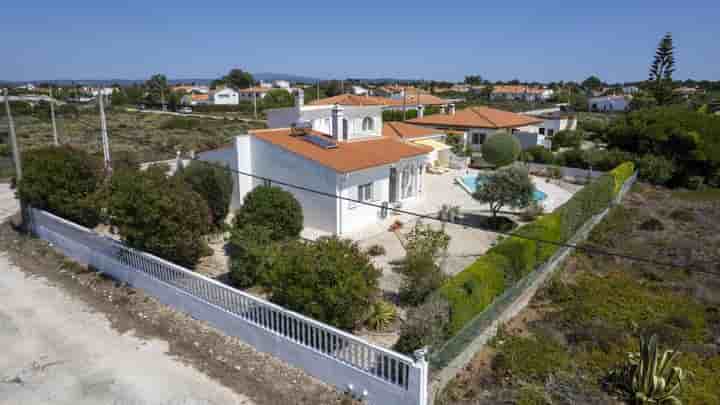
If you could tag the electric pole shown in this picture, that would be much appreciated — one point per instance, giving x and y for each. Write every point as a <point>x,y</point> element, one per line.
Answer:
<point>104,135</point>
<point>15,154</point>
<point>52,117</point>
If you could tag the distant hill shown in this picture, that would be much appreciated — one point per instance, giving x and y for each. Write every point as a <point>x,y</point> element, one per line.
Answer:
<point>268,77</point>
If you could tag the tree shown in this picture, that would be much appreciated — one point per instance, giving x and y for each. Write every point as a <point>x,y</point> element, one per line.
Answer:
<point>420,272</point>
<point>239,79</point>
<point>212,182</point>
<point>159,215</point>
<point>473,80</point>
<point>501,149</point>
<point>509,186</point>
<point>592,83</point>
<point>157,88</point>
<point>333,88</point>
<point>63,181</point>
<point>118,97</point>
<point>331,280</point>
<point>278,98</point>
<point>661,71</point>
<point>274,208</point>
<point>251,251</point>
<point>487,91</point>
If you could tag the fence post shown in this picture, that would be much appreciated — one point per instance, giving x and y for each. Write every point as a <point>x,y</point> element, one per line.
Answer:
<point>418,380</point>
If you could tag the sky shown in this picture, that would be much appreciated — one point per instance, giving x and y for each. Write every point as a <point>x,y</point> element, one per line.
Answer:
<point>434,40</point>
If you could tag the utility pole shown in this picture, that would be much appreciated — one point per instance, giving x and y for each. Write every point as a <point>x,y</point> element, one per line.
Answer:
<point>16,155</point>
<point>52,116</point>
<point>104,135</point>
<point>404,91</point>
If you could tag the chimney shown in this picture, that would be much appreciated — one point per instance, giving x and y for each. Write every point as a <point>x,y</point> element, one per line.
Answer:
<point>420,111</point>
<point>442,109</point>
<point>451,109</point>
<point>300,99</point>
<point>337,121</point>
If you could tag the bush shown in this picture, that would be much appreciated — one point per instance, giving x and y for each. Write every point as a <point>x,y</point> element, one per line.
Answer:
<point>421,275</point>
<point>655,169</point>
<point>63,181</point>
<point>510,186</point>
<point>567,139</point>
<point>376,250</point>
<point>212,182</point>
<point>251,251</point>
<point>159,215</point>
<point>621,174</point>
<point>181,123</point>
<point>382,315</point>
<point>273,208</point>
<point>397,115</point>
<point>501,149</point>
<point>695,183</point>
<point>426,325</point>
<point>330,280</point>
<point>540,154</point>
<point>533,359</point>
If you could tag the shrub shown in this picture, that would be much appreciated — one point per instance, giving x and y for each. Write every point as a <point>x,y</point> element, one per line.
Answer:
<point>501,149</point>
<point>540,154</point>
<point>572,158</point>
<point>567,139</point>
<point>251,251</point>
<point>621,174</point>
<point>181,123</point>
<point>426,325</point>
<point>273,208</point>
<point>695,183</point>
<point>420,273</point>
<point>62,180</point>
<point>382,315</point>
<point>533,211</point>
<point>533,359</point>
<point>212,182</point>
<point>159,215</point>
<point>331,280</point>
<point>655,169</point>
<point>376,250</point>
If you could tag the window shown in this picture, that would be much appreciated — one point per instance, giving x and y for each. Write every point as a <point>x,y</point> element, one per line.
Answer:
<point>541,131</point>
<point>551,132</point>
<point>365,192</point>
<point>514,131</point>
<point>368,124</point>
<point>475,139</point>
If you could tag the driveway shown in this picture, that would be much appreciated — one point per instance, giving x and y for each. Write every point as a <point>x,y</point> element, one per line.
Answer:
<point>56,350</point>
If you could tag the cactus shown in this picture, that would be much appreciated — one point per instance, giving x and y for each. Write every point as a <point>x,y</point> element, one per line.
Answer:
<point>648,377</point>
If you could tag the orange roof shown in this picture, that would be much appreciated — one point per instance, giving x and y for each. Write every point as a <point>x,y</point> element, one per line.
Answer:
<point>478,117</point>
<point>517,89</point>
<point>403,130</point>
<point>351,99</point>
<point>199,97</point>
<point>425,99</point>
<point>348,156</point>
<point>256,90</point>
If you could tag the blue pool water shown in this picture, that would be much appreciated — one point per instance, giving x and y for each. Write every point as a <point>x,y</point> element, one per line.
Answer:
<point>470,181</point>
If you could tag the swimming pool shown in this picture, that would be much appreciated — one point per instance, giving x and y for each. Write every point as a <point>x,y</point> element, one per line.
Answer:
<point>470,181</point>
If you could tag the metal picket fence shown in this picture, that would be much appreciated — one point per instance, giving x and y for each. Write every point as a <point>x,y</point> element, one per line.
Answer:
<point>378,375</point>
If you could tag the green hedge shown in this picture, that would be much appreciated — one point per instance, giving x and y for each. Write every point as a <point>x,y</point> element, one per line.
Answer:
<point>472,290</point>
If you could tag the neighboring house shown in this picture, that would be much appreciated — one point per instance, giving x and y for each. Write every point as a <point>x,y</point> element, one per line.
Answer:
<point>478,123</point>
<point>410,102</point>
<point>360,91</point>
<point>226,96</point>
<point>687,92</point>
<point>554,121</point>
<point>94,91</point>
<point>253,93</point>
<point>609,103</point>
<point>521,93</point>
<point>630,90</point>
<point>195,99</point>
<point>431,138</point>
<point>181,88</point>
<point>27,86</point>
<point>353,160</point>
<point>281,84</point>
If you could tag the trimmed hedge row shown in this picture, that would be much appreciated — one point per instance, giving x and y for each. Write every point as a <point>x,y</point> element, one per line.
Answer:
<point>474,289</point>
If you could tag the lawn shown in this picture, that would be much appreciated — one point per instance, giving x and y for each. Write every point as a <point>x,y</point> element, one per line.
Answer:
<point>580,326</point>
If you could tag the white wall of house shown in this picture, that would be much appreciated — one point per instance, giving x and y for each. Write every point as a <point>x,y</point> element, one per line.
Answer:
<point>225,97</point>
<point>248,95</point>
<point>320,117</point>
<point>531,139</point>
<point>608,104</point>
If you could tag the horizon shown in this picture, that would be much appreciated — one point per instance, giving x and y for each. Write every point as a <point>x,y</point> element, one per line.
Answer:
<point>556,42</point>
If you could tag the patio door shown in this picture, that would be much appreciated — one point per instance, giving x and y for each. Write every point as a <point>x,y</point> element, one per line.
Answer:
<point>393,185</point>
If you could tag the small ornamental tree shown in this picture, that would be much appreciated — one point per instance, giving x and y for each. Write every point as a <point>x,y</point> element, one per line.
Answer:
<point>501,149</point>
<point>212,182</point>
<point>331,280</point>
<point>63,181</point>
<point>421,274</point>
<point>509,187</point>
<point>159,215</point>
<point>273,208</point>
<point>251,251</point>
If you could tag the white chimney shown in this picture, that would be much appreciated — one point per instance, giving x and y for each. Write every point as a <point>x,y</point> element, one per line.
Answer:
<point>337,121</point>
<point>420,111</point>
<point>442,109</point>
<point>300,99</point>
<point>452,109</point>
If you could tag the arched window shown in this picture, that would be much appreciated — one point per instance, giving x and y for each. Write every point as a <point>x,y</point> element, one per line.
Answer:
<point>368,124</point>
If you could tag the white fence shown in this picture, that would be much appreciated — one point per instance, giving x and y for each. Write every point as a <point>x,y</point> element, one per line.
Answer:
<point>573,172</point>
<point>378,375</point>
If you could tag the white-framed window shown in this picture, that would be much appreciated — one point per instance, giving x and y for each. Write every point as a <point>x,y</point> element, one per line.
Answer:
<point>541,131</point>
<point>368,124</point>
<point>365,192</point>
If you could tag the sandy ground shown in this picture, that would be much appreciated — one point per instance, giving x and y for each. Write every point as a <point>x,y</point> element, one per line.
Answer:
<point>58,351</point>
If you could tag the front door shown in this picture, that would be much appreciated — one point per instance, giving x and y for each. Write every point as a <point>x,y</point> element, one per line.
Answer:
<point>393,185</point>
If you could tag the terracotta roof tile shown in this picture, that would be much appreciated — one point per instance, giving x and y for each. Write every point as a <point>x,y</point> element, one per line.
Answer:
<point>351,99</point>
<point>403,130</point>
<point>478,117</point>
<point>348,156</point>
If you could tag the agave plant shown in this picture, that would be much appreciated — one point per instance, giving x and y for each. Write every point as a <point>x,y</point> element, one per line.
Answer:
<point>648,377</point>
<point>382,315</point>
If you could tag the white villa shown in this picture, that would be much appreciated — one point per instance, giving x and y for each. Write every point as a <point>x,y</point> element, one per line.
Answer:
<point>609,103</point>
<point>554,121</point>
<point>519,92</point>
<point>335,150</point>
<point>226,96</point>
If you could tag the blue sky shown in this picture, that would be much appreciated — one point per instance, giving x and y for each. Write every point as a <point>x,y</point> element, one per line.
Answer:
<point>442,40</point>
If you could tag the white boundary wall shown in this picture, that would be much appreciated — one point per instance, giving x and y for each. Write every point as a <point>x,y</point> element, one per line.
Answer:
<point>378,375</point>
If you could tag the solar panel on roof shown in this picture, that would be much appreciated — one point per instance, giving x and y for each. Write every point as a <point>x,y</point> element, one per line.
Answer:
<point>320,141</point>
